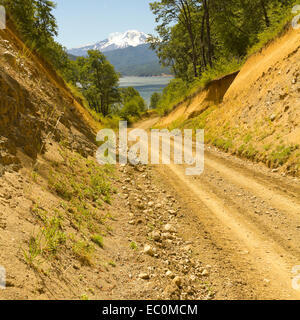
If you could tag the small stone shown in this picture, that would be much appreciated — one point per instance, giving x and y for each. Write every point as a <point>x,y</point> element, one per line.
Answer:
<point>178,281</point>
<point>144,276</point>
<point>184,296</point>
<point>205,273</point>
<point>150,204</point>
<point>170,274</point>
<point>166,235</point>
<point>171,291</point>
<point>148,250</point>
<point>155,235</point>
<point>169,228</point>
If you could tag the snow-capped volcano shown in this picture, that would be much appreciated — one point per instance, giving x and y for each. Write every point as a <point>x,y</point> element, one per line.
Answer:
<point>117,40</point>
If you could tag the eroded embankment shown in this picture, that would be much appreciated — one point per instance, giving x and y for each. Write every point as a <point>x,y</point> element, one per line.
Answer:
<point>259,116</point>
<point>69,228</point>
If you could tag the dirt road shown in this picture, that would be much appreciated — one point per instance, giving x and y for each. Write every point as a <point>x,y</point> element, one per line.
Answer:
<point>246,220</point>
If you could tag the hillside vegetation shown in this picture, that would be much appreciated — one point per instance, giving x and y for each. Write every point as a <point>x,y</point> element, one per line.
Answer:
<point>204,40</point>
<point>92,79</point>
<point>253,112</point>
<point>257,116</point>
<point>136,61</point>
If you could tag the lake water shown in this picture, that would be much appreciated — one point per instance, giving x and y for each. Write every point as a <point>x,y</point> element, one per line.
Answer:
<point>146,86</point>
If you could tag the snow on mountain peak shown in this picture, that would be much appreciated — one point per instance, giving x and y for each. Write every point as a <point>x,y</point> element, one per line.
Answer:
<point>120,40</point>
<point>116,40</point>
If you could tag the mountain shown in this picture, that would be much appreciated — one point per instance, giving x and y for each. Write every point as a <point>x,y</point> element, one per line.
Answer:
<point>117,40</point>
<point>136,61</point>
<point>128,52</point>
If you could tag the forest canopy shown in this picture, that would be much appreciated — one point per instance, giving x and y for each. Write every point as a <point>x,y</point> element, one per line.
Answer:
<point>203,39</point>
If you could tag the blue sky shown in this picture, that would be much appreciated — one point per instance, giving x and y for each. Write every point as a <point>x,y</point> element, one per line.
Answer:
<point>83,22</point>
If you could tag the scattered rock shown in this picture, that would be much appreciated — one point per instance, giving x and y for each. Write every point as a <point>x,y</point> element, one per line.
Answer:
<point>205,273</point>
<point>178,281</point>
<point>149,250</point>
<point>172,291</point>
<point>155,235</point>
<point>170,274</point>
<point>169,228</point>
<point>172,212</point>
<point>144,276</point>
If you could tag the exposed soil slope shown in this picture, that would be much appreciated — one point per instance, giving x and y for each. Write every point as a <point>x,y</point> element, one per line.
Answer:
<point>259,117</point>
<point>69,228</point>
<point>201,101</point>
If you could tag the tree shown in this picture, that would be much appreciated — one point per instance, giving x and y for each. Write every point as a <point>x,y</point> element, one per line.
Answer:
<point>127,94</point>
<point>155,98</point>
<point>98,81</point>
<point>34,20</point>
<point>133,108</point>
<point>132,104</point>
<point>44,24</point>
<point>103,82</point>
<point>179,11</point>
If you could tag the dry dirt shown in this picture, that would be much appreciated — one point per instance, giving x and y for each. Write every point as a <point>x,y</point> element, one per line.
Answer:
<point>258,118</point>
<point>145,254</point>
<point>232,233</point>
<point>70,229</point>
<point>247,221</point>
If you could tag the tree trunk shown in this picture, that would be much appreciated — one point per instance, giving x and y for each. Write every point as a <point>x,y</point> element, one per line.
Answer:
<point>188,24</point>
<point>204,63</point>
<point>267,20</point>
<point>210,50</point>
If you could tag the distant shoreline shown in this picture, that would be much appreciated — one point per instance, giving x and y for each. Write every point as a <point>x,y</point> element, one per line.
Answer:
<point>158,76</point>
<point>146,86</point>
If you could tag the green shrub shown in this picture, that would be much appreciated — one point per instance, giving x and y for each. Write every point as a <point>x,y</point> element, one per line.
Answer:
<point>97,239</point>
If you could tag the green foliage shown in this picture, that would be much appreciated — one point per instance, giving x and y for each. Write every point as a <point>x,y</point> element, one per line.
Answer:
<point>34,250</point>
<point>133,108</point>
<point>155,98</point>
<point>282,153</point>
<point>172,94</point>
<point>49,241</point>
<point>133,246</point>
<point>97,81</point>
<point>97,239</point>
<point>89,184</point>
<point>37,27</point>
<point>132,104</point>
<point>202,40</point>
<point>112,264</point>
<point>34,20</point>
<point>84,252</point>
